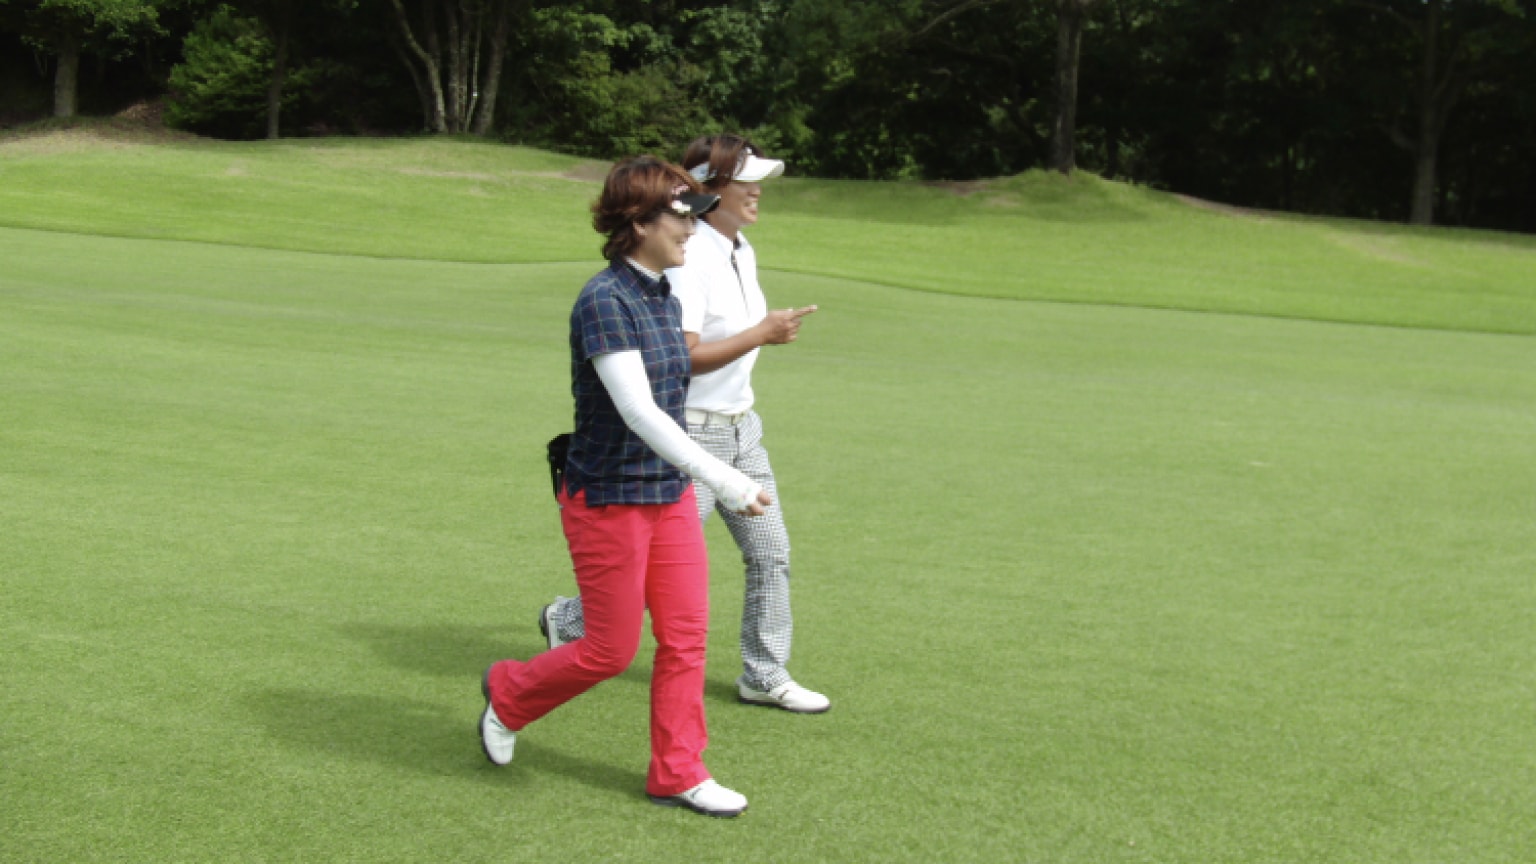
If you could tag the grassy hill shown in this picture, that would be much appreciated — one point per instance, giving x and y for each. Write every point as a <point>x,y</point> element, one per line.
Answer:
<point>1037,236</point>
<point>1087,580</point>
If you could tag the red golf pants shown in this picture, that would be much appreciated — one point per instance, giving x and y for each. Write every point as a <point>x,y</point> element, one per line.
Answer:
<point>629,557</point>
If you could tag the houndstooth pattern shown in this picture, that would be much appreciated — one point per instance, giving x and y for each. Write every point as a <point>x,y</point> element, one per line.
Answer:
<point>766,624</point>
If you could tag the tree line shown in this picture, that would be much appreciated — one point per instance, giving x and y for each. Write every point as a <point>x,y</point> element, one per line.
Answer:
<point>1412,110</point>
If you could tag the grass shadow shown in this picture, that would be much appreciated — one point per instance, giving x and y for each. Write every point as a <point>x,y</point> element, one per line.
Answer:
<point>720,691</point>
<point>598,776</point>
<point>417,736</point>
<point>445,650</point>
<point>389,730</point>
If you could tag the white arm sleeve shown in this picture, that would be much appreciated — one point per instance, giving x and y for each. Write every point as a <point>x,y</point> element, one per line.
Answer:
<point>623,374</point>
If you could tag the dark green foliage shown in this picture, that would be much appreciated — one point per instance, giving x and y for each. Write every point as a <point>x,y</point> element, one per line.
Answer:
<point>23,86</point>
<point>220,88</point>
<point>604,89</point>
<point>958,100</point>
<point>1298,105</point>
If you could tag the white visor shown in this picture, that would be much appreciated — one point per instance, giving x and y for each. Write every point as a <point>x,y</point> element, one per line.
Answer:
<point>749,170</point>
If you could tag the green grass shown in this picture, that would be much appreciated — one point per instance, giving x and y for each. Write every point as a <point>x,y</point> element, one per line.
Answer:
<point>1044,237</point>
<point>1037,236</point>
<point>1088,581</point>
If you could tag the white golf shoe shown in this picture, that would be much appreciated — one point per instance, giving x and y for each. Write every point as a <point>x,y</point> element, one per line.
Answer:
<point>789,696</point>
<point>495,739</point>
<point>709,798</point>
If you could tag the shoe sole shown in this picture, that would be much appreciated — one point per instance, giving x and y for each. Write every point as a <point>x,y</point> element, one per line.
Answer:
<point>674,801</point>
<point>769,703</point>
<point>485,690</point>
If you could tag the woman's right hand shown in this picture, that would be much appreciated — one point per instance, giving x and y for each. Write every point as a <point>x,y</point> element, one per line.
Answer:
<point>782,326</point>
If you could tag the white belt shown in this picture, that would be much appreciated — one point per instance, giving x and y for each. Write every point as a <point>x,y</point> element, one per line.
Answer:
<point>697,417</point>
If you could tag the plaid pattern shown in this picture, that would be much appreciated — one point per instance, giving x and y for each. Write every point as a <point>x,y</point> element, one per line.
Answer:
<point>766,624</point>
<point>622,310</point>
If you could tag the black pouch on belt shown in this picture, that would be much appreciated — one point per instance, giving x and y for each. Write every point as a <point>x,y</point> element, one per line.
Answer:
<point>558,446</point>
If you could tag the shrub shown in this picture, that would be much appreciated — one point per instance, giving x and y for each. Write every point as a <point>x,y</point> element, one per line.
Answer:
<point>220,88</point>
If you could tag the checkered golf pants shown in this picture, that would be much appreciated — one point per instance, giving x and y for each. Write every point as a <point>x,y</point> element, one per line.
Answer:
<point>766,625</point>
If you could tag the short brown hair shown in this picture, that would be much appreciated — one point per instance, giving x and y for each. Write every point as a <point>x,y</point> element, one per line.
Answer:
<point>724,153</point>
<point>637,190</point>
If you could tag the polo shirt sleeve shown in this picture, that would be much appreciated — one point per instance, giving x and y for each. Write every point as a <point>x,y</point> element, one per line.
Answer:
<point>606,325</point>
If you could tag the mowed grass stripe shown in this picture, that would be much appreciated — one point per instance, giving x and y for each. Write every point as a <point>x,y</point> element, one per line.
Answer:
<point>1085,240</point>
<point>1035,236</point>
<point>394,198</point>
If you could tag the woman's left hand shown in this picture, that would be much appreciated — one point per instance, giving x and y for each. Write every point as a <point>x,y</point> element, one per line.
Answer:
<point>740,493</point>
<point>761,505</point>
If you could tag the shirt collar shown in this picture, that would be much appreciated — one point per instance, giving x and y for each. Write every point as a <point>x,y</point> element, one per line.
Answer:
<point>632,273</point>
<point>724,243</point>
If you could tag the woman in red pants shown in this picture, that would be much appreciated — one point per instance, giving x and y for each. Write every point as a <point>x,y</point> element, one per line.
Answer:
<point>626,503</point>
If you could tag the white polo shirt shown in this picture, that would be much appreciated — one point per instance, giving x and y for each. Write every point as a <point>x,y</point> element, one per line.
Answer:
<point>719,301</point>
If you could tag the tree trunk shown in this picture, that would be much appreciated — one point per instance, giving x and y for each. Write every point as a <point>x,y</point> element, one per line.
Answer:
<point>456,16</point>
<point>1425,157</point>
<point>430,66</point>
<point>423,90</point>
<point>66,79</point>
<point>472,68</point>
<point>1287,178</point>
<point>1426,148</point>
<point>279,74</point>
<point>453,73</point>
<point>434,72</point>
<point>485,117</point>
<point>1069,43</point>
